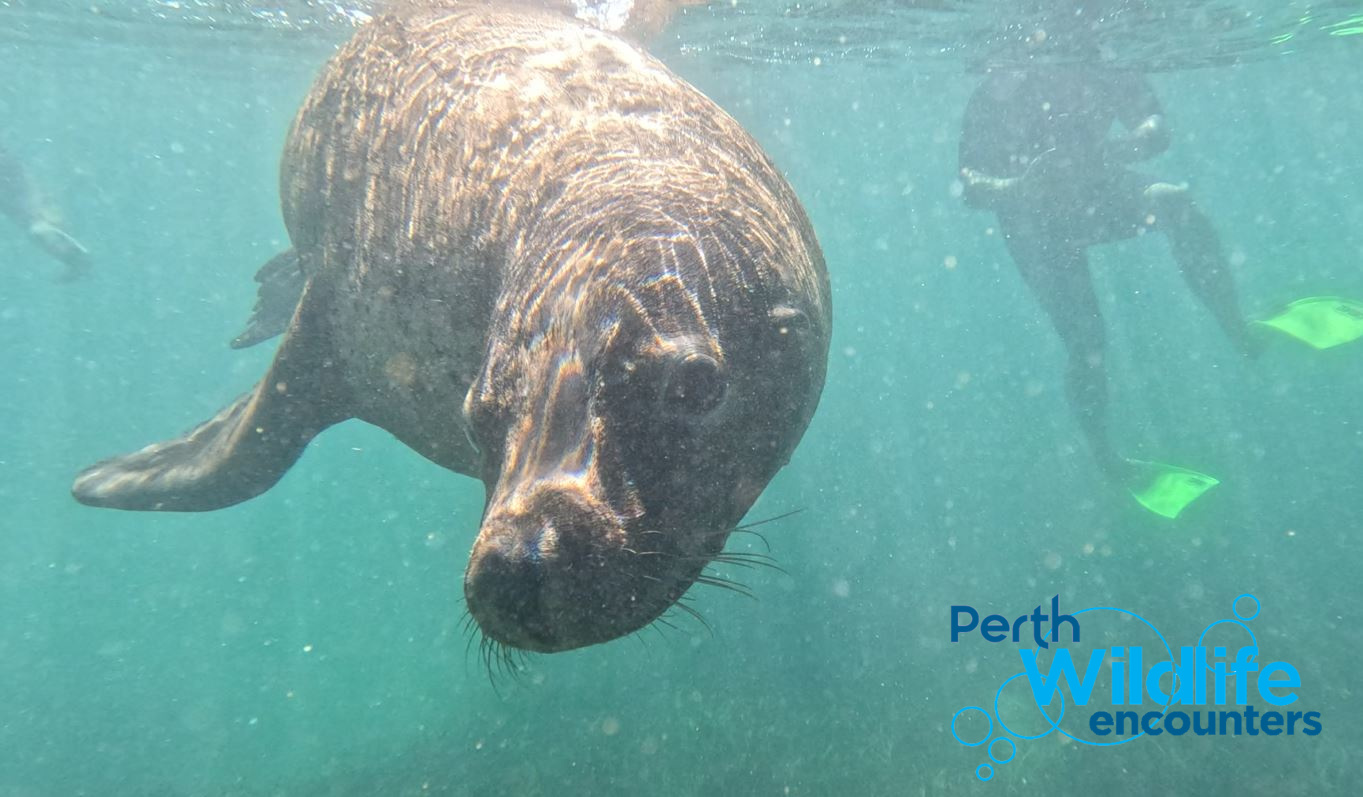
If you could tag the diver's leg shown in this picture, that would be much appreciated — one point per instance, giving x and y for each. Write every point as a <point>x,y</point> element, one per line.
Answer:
<point>1058,277</point>
<point>1197,250</point>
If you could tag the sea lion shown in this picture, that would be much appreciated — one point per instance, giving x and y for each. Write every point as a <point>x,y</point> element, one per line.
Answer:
<point>539,258</point>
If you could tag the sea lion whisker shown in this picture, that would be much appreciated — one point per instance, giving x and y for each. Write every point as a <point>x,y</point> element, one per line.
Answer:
<point>765,521</point>
<point>759,535</point>
<point>727,559</point>
<point>717,559</point>
<point>755,557</point>
<point>710,580</point>
<point>498,658</point>
<point>492,677</point>
<point>738,530</point>
<point>468,624</point>
<point>511,660</point>
<point>749,560</point>
<point>483,655</point>
<point>659,623</point>
<point>724,583</point>
<point>696,615</point>
<point>500,661</point>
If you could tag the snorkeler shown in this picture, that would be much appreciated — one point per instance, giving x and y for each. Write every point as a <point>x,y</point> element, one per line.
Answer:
<point>21,201</point>
<point>1035,149</point>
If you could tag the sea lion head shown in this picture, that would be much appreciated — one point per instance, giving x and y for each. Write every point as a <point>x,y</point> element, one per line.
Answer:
<point>630,410</point>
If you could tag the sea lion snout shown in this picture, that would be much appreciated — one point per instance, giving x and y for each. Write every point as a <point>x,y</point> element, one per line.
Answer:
<point>544,570</point>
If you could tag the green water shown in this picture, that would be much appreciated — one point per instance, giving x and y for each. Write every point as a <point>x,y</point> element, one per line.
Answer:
<point>308,642</point>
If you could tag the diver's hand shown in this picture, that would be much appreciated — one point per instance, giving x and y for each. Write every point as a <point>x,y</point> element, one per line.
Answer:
<point>63,247</point>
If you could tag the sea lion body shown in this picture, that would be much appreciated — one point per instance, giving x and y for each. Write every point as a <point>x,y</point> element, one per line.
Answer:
<point>536,256</point>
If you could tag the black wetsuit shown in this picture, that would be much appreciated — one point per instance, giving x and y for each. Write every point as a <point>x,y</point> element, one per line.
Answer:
<point>1038,148</point>
<point>1059,119</point>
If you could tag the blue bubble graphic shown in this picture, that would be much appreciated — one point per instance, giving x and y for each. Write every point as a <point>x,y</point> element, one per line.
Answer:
<point>1257,606</point>
<point>1253,640</point>
<point>1012,752</point>
<point>986,736</point>
<point>1055,725</point>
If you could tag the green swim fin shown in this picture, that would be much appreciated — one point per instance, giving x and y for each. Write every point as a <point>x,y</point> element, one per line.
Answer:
<point>1320,321</point>
<point>1167,490</point>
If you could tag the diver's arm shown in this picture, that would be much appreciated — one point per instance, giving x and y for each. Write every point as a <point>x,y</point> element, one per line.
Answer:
<point>1146,135</point>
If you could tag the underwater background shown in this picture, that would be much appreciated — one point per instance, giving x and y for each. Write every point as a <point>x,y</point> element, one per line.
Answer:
<point>308,641</point>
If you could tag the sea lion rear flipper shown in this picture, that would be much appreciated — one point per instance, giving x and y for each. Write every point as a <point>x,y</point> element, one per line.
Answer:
<point>281,286</point>
<point>244,449</point>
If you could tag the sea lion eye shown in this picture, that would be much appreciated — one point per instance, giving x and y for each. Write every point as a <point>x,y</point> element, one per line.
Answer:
<point>694,386</point>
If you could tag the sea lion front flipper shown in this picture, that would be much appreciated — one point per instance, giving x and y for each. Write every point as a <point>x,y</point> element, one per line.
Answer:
<point>244,449</point>
<point>281,285</point>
